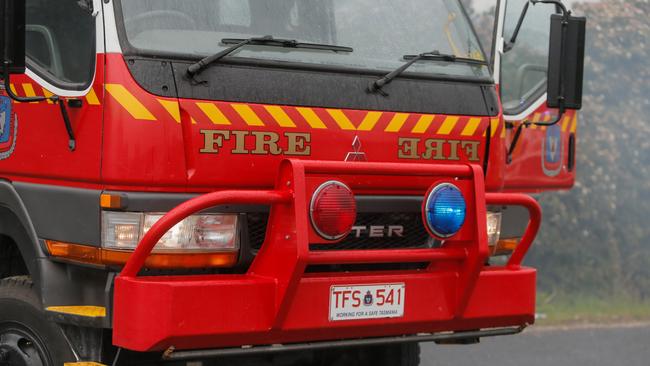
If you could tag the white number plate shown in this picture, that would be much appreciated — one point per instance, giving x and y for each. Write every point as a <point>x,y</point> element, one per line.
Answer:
<point>367,302</point>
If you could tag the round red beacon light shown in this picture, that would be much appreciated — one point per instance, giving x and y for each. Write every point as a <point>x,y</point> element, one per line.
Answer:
<point>333,210</point>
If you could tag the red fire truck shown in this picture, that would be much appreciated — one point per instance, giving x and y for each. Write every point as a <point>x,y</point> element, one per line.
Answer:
<point>289,182</point>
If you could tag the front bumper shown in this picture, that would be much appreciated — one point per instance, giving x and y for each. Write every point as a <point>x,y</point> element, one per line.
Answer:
<point>277,302</point>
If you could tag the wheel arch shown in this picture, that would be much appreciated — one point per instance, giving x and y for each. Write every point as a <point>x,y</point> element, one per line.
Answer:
<point>16,224</point>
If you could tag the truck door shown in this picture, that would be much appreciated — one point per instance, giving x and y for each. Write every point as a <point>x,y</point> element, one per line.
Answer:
<point>542,158</point>
<point>64,44</point>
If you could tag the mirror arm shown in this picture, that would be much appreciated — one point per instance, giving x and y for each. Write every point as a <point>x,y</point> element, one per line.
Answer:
<point>557,118</point>
<point>10,92</point>
<point>72,143</point>
<point>515,140</point>
<point>509,45</point>
<point>558,3</point>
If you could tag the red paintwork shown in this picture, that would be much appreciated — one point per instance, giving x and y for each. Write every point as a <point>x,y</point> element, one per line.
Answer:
<point>169,149</point>
<point>117,152</point>
<point>535,219</point>
<point>525,173</point>
<point>276,302</point>
<point>41,154</point>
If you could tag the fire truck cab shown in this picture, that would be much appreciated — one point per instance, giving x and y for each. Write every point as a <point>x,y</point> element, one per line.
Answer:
<point>283,182</point>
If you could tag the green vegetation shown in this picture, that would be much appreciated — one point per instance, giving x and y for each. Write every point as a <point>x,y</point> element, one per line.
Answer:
<point>594,244</point>
<point>571,309</point>
<point>595,239</point>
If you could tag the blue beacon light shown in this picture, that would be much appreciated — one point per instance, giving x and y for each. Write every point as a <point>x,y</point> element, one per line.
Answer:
<point>445,210</point>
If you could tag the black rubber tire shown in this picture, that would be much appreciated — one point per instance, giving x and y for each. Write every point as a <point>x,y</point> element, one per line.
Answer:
<point>20,308</point>
<point>407,354</point>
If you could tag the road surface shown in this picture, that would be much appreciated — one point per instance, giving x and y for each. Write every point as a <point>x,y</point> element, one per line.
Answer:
<point>625,345</point>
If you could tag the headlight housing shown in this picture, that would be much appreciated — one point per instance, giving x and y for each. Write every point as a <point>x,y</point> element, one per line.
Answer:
<point>493,229</point>
<point>195,234</point>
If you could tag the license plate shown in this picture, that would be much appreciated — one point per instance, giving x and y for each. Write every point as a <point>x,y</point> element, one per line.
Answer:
<point>367,302</point>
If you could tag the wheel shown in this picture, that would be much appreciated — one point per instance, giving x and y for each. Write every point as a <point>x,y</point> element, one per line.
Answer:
<point>407,354</point>
<point>27,338</point>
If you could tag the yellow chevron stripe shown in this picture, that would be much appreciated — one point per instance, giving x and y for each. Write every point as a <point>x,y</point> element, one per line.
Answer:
<point>574,124</point>
<point>213,113</point>
<point>471,127</point>
<point>132,105</point>
<point>29,90</point>
<point>565,123</point>
<point>494,125</point>
<point>47,94</point>
<point>503,132</point>
<point>423,124</point>
<point>91,97</point>
<point>397,122</point>
<point>248,115</point>
<point>280,116</point>
<point>535,119</point>
<point>87,311</point>
<point>13,89</point>
<point>369,121</point>
<point>311,117</point>
<point>448,125</point>
<point>341,119</point>
<point>172,108</point>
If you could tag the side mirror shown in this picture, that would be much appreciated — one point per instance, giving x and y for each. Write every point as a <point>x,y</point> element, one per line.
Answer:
<point>12,35</point>
<point>566,61</point>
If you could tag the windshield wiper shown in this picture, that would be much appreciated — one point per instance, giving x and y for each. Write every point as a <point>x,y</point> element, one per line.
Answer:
<point>238,43</point>
<point>377,85</point>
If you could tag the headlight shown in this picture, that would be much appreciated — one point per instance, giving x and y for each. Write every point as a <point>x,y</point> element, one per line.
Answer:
<point>196,233</point>
<point>493,229</point>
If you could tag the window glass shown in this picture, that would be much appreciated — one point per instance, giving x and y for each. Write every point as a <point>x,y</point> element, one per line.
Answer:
<point>524,67</point>
<point>483,16</point>
<point>234,12</point>
<point>60,41</point>
<point>381,32</point>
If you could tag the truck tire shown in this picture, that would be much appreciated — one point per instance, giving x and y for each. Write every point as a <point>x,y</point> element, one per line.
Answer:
<point>407,354</point>
<point>27,337</point>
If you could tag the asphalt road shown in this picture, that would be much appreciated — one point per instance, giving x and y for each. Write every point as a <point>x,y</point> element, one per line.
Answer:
<point>624,345</point>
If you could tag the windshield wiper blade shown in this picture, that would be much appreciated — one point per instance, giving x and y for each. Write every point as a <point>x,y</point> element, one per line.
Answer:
<point>290,43</point>
<point>238,43</point>
<point>377,85</point>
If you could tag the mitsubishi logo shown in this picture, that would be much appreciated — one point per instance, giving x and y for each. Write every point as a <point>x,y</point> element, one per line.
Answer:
<point>357,154</point>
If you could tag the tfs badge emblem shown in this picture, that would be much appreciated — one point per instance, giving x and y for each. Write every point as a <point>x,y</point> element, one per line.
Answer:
<point>552,151</point>
<point>8,128</point>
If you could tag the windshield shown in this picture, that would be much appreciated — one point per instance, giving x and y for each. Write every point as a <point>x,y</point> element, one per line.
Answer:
<point>379,31</point>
